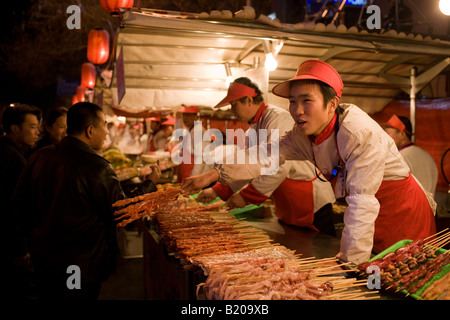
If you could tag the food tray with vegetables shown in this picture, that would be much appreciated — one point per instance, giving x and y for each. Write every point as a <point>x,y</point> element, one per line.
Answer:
<point>413,267</point>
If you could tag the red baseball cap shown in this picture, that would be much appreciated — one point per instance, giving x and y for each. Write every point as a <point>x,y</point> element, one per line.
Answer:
<point>312,70</point>
<point>236,91</point>
<point>169,122</point>
<point>191,109</point>
<point>396,123</point>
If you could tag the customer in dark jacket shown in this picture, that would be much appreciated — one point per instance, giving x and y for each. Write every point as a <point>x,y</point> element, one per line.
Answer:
<point>21,126</point>
<point>65,200</point>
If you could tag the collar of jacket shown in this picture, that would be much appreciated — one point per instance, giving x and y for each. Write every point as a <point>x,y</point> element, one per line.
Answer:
<point>259,113</point>
<point>76,144</point>
<point>325,134</point>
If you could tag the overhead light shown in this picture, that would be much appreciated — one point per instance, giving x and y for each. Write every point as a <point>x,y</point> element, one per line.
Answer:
<point>229,78</point>
<point>271,64</point>
<point>444,6</point>
<point>271,51</point>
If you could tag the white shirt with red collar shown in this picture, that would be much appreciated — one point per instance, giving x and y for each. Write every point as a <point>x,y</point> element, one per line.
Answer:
<point>274,118</point>
<point>369,158</point>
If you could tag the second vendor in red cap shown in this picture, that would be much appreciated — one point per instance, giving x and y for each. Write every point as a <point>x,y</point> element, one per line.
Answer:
<point>386,204</point>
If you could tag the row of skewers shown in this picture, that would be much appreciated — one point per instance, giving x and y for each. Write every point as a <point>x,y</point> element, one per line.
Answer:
<point>414,267</point>
<point>238,260</point>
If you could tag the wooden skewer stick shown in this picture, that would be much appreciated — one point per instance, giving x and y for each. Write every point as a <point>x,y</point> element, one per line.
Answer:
<point>435,234</point>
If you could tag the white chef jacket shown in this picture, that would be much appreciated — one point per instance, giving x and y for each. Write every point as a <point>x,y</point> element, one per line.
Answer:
<point>369,155</point>
<point>422,166</point>
<point>275,118</point>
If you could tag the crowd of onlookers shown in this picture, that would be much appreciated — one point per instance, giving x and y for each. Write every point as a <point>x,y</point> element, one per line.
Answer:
<point>57,192</point>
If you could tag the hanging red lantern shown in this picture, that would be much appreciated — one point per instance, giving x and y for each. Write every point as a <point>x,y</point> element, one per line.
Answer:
<point>80,95</point>
<point>113,6</point>
<point>74,99</point>
<point>98,46</point>
<point>88,75</point>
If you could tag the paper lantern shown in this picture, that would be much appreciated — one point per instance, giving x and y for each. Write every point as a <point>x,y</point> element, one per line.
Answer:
<point>113,6</point>
<point>88,75</point>
<point>98,46</point>
<point>75,99</point>
<point>80,95</point>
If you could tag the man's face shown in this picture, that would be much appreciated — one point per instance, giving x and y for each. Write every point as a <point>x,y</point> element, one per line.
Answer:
<point>99,132</point>
<point>306,106</point>
<point>58,129</point>
<point>28,132</point>
<point>395,134</point>
<point>155,125</point>
<point>189,119</point>
<point>241,110</point>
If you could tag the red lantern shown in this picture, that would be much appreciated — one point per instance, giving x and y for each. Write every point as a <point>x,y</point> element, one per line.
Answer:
<point>88,75</point>
<point>98,46</point>
<point>74,99</point>
<point>114,5</point>
<point>80,95</point>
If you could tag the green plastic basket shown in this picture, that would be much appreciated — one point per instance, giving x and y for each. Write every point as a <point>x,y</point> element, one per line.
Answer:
<point>437,276</point>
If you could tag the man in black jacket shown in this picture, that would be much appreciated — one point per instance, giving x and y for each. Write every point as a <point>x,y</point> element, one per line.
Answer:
<point>65,201</point>
<point>21,125</point>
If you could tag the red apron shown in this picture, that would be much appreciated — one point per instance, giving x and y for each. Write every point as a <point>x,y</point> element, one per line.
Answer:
<point>152,145</point>
<point>404,213</point>
<point>184,170</point>
<point>298,212</point>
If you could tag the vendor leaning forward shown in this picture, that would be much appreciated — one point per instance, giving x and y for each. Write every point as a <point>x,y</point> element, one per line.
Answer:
<point>385,202</point>
<point>313,209</point>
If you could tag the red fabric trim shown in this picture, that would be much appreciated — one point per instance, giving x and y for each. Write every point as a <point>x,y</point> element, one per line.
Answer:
<point>253,196</point>
<point>260,112</point>
<point>326,133</point>
<point>223,191</point>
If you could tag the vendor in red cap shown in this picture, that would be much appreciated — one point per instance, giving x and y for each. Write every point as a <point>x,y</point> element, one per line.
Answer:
<point>420,162</point>
<point>300,199</point>
<point>157,137</point>
<point>190,121</point>
<point>385,202</point>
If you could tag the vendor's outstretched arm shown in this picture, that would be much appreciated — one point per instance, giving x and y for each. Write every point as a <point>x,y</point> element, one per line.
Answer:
<point>195,183</point>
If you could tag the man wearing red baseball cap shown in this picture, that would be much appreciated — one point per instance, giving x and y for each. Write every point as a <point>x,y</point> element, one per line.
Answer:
<point>420,162</point>
<point>191,122</point>
<point>385,202</point>
<point>157,136</point>
<point>293,178</point>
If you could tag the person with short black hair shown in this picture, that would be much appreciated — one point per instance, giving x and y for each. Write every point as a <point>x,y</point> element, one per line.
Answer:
<point>64,200</point>
<point>299,198</point>
<point>54,127</point>
<point>21,125</point>
<point>385,202</point>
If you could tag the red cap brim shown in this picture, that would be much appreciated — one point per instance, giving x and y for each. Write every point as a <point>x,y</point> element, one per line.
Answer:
<point>236,91</point>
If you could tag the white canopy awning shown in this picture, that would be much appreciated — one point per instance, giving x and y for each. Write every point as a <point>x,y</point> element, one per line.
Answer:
<point>174,59</point>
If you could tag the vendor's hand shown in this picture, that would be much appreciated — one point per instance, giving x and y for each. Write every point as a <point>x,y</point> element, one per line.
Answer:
<point>155,174</point>
<point>206,195</point>
<point>152,173</point>
<point>195,183</point>
<point>236,201</point>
